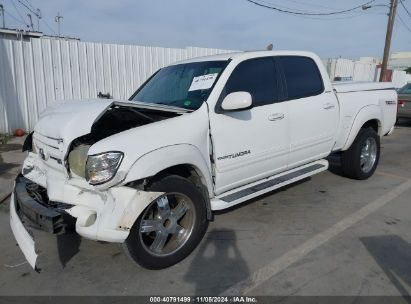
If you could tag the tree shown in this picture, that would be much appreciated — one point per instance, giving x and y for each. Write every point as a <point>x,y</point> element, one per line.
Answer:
<point>408,70</point>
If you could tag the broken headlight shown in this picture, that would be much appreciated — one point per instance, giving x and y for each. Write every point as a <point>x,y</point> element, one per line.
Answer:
<point>101,168</point>
<point>77,160</point>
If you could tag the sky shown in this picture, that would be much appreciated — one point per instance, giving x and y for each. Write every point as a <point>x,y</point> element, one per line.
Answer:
<point>225,24</point>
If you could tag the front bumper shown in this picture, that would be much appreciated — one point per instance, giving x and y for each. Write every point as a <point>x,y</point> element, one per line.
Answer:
<point>23,238</point>
<point>35,210</point>
<point>97,214</point>
<point>31,209</point>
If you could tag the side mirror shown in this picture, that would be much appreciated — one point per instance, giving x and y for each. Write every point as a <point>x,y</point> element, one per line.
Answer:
<point>237,101</point>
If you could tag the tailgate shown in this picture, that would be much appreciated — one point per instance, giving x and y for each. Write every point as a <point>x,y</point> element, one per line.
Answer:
<point>388,101</point>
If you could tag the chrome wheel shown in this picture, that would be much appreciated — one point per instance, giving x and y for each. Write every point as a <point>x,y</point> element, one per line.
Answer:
<point>368,154</point>
<point>167,224</point>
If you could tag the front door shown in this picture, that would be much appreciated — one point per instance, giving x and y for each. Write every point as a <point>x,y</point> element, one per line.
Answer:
<point>250,144</point>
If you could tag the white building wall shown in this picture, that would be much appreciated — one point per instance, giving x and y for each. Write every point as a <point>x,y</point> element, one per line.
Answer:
<point>399,78</point>
<point>35,73</point>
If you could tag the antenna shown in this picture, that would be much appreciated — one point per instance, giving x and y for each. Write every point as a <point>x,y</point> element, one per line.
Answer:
<point>2,15</point>
<point>57,19</point>
<point>31,21</point>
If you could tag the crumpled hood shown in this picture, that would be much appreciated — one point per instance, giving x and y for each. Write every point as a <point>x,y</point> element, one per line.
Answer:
<point>70,119</point>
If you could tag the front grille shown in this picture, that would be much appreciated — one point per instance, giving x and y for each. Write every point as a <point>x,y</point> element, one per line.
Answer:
<point>50,150</point>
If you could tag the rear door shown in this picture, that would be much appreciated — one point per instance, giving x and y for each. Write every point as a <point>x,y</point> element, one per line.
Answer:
<point>313,112</point>
<point>250,144</point>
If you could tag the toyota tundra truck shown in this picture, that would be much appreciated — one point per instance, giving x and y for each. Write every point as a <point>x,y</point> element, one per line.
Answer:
<point>198,136</point>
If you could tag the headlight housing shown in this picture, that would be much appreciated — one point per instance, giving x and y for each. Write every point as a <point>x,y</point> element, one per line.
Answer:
<point>101,168</point>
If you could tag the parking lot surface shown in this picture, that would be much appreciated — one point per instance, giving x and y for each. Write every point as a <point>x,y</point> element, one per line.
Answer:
<point>328,235</point>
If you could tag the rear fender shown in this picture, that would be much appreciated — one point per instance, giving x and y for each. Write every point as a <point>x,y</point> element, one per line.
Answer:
<point>371,112</point>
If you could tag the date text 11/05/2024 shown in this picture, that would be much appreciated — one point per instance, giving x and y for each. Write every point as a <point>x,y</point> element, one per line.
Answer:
<point>220,299</point>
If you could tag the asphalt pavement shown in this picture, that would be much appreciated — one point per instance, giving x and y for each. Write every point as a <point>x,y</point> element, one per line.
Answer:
<point>327,235</point>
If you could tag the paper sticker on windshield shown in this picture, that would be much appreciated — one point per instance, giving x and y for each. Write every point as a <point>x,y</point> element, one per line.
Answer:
<point>203,82</point>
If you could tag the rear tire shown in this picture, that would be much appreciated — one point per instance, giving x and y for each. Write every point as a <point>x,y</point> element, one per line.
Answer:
<point>361,159</point>
<point>171,227</point>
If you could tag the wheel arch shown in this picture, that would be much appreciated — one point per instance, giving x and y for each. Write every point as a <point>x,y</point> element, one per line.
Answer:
<point>369,116</point>
<point>183,160</point>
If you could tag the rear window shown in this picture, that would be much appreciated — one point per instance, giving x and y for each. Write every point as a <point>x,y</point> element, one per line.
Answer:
<point>303,79</point>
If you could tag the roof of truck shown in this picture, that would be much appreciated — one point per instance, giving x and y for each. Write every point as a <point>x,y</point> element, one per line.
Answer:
<point>246,55</point>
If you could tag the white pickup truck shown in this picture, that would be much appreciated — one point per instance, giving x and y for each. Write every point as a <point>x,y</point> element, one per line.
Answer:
<point>200,135</point>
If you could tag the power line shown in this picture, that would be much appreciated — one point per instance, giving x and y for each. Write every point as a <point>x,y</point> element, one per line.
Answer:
<point>282,6</point>
<point>323,17</point>
<point>30,5</point>
<point>403,23</point>
<point>13,17</point>
<point>28,8</point>
<point>287,11</point>
<point>18,12</point>
<point>405,8</point>
<point>36,12</point>
<point>311,4</point>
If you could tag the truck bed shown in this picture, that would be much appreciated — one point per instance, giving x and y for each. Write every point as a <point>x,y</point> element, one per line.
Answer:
<point>354,86</point>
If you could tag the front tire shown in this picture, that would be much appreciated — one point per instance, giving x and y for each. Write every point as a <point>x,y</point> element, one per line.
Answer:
<point>361,159</point>
<point>171,227</point>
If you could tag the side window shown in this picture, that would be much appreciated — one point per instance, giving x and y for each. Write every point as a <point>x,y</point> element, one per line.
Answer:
<point>302,77</point>
<point>257,77</point>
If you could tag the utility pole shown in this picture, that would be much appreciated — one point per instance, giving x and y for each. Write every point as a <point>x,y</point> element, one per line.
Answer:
<point>2,15</point>
<point>390,26</point>
<point>57,19</point>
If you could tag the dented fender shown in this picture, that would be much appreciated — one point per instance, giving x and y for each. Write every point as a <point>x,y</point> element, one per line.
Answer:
<point>158,160</point>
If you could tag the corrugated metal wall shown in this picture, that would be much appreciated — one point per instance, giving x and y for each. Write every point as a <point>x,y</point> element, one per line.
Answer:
<point>347,68</point>
<point>34,74</point>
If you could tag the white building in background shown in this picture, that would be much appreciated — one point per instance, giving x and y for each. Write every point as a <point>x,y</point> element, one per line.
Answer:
<point>370,60</point>
<point>15,34</point>
<point>400,60</point>
<point>22,35</point>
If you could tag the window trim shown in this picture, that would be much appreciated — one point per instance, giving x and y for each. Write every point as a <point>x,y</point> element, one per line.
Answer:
<point>284,79</point>
<point>281,90</point>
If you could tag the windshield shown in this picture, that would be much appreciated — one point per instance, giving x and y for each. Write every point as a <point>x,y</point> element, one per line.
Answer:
<point>405,89</point>
<point>185,85</point>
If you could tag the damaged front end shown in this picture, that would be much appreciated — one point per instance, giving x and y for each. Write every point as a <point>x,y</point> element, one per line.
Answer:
<point>55,192</point>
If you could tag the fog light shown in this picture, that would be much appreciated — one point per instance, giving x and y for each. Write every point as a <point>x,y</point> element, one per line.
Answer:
<point>91,219</point>
<point>87,219</point>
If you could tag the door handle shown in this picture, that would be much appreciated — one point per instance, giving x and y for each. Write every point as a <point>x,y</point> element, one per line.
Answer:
<point>276,116</point>
<point>328,106</point>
